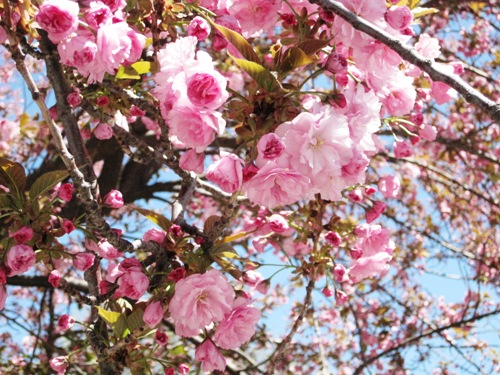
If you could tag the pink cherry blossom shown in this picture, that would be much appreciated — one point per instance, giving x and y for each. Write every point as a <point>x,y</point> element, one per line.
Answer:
<point>74,98</point>
<point>227,173</point>
<point>114,199</point>
<point>377,210</point>
<point>199,300</point>
<point>156,235</point>
<point>210,357</point>
<point>238,326</point>
<point>199,28</point>
<point>339,272</point>
<point>389,186</point>
<point>341,298</point>
<point>177,274</point>
<point>59,18</point>
<point>132,284</point>
<point>254,16</point>
<point>270,147</point>
<point>336,63</point>
<point>399,17</point>
<point>428,132</point>
<point>103,248</point>
<point>252,278</point>
<point>275,186</point>
<point>328,291</point>
<point>402,149</point>
<point>161,338</point>
<point>83,261</point>
<point>103,131</point>
<point>98,14</point>
<point>333,238</point>
<point>20,258</point>
<point>153,314</point>
<point>369,266</point>
<point>207,89</point>
<point>277,223</point>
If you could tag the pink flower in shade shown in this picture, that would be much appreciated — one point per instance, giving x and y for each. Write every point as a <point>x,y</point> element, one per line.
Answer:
<point>270,147</point>
<point>389,186</point>
<point>74,98</point>
<point>199,300</point>
<point>195,128</point>
<point>192,161</point>
<point>132,284</point>
<point>263,287</point>
<point>103,131</point>
<point>65,192</point>
<point>114,199</point>
<point>277,223</point>
<point>370,190</point>
<point>136,111</point>
<point>199,28</point>
<point>3,275</point>
<point>102,101</point>
<point>59,364</point>
<point>83,261</point>
<point>210,357</point>
<point>336,63</point>
<point>328,291</point>
<point>341,298</point>
<point>399,17</point>
<point>238,326</point>
<point>161,338</point>
<point>428,132</point>
<point>22,235</point>
<point>373,213</point>
<point>275,186</point>
<point>67,226</point>
<point>175,230</point>
<point>59,18</point>
<point>153,314</point>
<point>65,322</point>
<point>114,5</point>
<point>177,274</point>
<point>55,278</point>
<point>155,235</point>
<point>333,238</point>
<point>20,258</point>
<point>227,173</point>
<point>3,296</point>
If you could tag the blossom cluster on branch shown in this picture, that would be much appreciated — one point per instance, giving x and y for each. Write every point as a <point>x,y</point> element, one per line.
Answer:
<point>190,146</point>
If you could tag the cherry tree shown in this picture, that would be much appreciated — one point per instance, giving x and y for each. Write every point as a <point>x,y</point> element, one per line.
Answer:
<point>249,187</point>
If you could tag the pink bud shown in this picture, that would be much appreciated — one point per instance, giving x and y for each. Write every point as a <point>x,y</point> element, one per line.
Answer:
<point>68,226</point>
<point>161,339</point>
<point>333,238</point>
<point>277,223</point>
<point>175,230</point>
<point>370,190</point>
<point>377,210</point>
<point>192,161</point>
<point>65,322</point>
<point>102,101</point>
<point>402,149</point>
<point>355,195</point>
<point>83,261</point>
<point>136,111</point>
<point>177,274</point>
<point>428,132</point>
<point>339,273</point>
<point>59,364</point>
<point>114,199</point>
<point>153,314</point>
<point>22,235</point>
<point>155,235</point>
<point>327,291</point>
<point>65,192</point>
<point>199,28</point>
<point>341,298</point>
<point>74,98</point>
<point>263,287</point>
<point>252,278</point>
<point>356,253</point>
<point>55,278</point>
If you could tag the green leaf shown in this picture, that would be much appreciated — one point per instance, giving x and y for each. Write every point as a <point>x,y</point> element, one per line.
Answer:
<point>311,46</point>
<point>420,12</point>
<point>120,327</point>
<point>179,350</point>
<point>261,75</point>
<point>127,72</point>
<point>293,58</point>
<point>155,217</point>
<point>46,182</point>
<point>12,175</point>
<point>239,43</point>
<point>220,253</point>
<point>110,317</point>
<point>142,67</point>
<point>7,201</point>
<point>135,320</point>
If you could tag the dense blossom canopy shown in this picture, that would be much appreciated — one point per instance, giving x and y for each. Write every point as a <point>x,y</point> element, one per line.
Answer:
<point>249,187</point>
